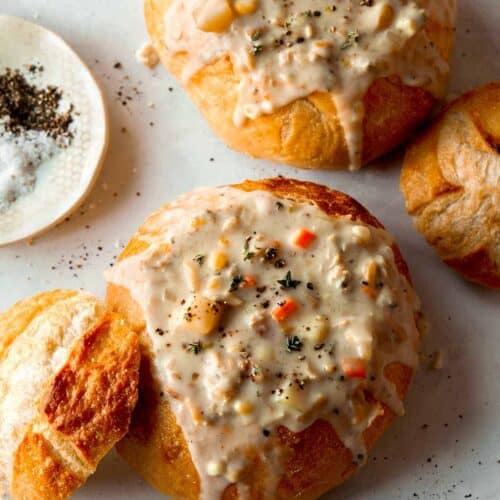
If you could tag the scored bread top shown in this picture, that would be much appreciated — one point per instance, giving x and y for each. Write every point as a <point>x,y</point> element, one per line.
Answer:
<point>68,384</point>
<point>261,310</point>
<point>281,52</point>
<point>451,183</point>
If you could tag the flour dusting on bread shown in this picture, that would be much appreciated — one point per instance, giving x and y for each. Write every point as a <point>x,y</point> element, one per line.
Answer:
<point>69,375</point>
<point>31,361</point>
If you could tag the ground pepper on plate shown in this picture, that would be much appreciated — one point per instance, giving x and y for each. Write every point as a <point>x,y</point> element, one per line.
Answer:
<point>35,125</point>
<point>27,107</point>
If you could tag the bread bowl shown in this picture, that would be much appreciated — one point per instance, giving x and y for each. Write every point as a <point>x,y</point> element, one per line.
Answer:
<point>68,384</point>
<point>279,332</point>
<point>451,184</point>
<point>308,83</point>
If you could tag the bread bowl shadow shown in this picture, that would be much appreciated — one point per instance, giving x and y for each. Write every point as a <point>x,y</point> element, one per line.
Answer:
<point>115,479</point>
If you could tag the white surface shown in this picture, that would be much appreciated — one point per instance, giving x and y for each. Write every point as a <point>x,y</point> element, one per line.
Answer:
<point>64,180</point>
<point>173,156</point>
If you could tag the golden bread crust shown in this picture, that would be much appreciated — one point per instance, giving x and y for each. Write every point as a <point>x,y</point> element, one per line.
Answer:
<point>85,406</point>
<point>91,399</point>
<point>307,132</point>
<point>451,183</point>
<point>317,459</point>
<point>36,463</point>
<point>21,314</point>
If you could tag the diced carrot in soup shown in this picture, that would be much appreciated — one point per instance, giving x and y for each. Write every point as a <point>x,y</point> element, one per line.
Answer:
<point>284,310</point>
<point>248,281</point>
<point>303,238</point>
<point>354,367</point>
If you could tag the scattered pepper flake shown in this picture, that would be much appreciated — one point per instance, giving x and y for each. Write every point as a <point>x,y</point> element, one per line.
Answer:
<point>199,258</point>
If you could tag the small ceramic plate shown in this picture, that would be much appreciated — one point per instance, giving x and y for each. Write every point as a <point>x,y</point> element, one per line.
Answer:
<point>66,179</point>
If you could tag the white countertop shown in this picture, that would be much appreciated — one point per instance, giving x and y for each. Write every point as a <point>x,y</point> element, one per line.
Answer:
<point>448,445</point>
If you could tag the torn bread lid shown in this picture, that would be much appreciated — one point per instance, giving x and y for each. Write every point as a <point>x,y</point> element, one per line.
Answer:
<point>69,374</point>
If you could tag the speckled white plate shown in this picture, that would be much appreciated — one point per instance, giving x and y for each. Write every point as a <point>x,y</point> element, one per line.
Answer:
<point>64,180</point>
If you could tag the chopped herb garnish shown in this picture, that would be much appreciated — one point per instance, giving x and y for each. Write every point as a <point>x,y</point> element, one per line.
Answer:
<point>310,286</point>
<point>256,35</point>
<point>293,344</point>
<point>199,258</point>
<point>257,49</point>
<point>194,347</point>
<point>235,283</point>
<point>279,205</point>
<point>247,254</point>
<point>288,282</point>
<point>352,37</point>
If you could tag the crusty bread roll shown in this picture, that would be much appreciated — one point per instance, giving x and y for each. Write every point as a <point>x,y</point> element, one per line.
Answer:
<point>389,91</point>
<point>169,442</point>
<point>68,384</point>
<point>451,183</point>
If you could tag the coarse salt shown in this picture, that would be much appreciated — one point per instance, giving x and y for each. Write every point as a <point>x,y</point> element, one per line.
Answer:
<point>20,157</point>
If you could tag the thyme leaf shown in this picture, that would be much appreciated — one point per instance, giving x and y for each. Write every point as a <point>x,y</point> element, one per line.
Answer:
<point>352,38</point>
<point>293,344</point>
<point>235,283</point>
<point>194,347</point>
<point>288,282</point>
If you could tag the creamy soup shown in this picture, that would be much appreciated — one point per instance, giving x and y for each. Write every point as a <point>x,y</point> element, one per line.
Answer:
<point>262,312</point>
<point>283,50</point>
